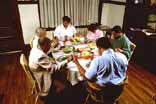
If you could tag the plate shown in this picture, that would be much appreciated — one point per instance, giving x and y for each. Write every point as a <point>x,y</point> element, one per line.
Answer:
<point>61,58</point>
<point>84,49</point>
<point>67,49</point>
<point>55,50</point>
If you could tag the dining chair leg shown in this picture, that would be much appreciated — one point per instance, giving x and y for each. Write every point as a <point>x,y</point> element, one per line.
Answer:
<point>36,99</point>
<point>87,98</point>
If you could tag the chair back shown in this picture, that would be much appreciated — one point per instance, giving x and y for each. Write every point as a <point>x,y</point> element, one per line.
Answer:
<point>24,63</point>
<point>132,46</point>
<point>31,42</point>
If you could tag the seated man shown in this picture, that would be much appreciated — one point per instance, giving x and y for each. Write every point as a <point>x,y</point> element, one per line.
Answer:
<point>94,33</point>
<point>42,66</point>
<point>65,31</point>
<point>105,74</point>
<point>120,42</point>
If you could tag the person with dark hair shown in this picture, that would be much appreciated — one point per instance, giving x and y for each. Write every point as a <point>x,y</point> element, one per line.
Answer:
<point>66,19</point>
<point>42,66</point>
<point>56,94</point>
<point>93,32</point>
<point>120,41</point>
<point>106,73</point>
<point>66,30</point>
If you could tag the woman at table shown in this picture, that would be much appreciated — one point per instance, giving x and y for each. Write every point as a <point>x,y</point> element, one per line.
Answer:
<point>66,30</point>
<point>94,33</point>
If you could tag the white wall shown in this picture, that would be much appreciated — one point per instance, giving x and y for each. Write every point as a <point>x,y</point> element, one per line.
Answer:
<point>29,20</point>
<point>112,14</point>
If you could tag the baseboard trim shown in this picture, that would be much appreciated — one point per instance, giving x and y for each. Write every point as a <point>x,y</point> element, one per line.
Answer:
<point>10,52</point>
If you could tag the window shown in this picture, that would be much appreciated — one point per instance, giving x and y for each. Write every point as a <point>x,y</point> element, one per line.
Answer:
<point>112,14</point>
<point>82,12</point>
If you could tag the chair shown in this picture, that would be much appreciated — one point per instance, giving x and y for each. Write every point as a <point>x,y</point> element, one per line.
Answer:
<point>31,42</point>
<point>94,90</point>
<point>132,47</point>
<point>35,88</point>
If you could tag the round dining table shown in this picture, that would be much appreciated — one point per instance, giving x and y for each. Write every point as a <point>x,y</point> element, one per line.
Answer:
<point>73,73</point>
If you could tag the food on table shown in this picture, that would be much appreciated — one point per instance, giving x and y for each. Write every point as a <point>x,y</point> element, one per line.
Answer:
<point>55,50</point>
<point>92,45</point>
<point>83,49</point>
<point>86,54</point>
<point>67,49</point>
<point>61,58</point>
<point>75,39</point>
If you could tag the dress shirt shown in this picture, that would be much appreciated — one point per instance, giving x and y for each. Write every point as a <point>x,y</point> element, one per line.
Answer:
<point>61,32</point>
<point>109,68</point>
<point>35,41</point>
<point>40,60</point>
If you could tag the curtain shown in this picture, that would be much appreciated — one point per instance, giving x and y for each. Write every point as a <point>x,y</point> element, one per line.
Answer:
<point>81,12</point>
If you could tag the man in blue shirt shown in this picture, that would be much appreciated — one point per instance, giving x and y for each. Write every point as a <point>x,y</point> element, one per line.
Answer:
<point>108,71</point>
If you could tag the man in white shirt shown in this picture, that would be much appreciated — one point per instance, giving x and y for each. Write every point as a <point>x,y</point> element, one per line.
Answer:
<point>65,31</point>
<point>42,66</point>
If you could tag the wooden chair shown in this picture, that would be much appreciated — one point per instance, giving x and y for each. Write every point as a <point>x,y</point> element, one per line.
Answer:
<point>31,42</point>
<point>92,95</point>
<point>35,88</point>
<point>132,46</point>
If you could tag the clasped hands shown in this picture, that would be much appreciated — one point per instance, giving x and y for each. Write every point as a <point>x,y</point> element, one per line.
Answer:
<point>73,58</point>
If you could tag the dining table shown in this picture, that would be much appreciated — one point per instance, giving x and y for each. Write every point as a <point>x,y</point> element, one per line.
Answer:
<point>73,73</point>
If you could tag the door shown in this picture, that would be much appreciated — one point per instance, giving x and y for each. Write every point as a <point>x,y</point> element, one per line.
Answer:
<point>10,27</point>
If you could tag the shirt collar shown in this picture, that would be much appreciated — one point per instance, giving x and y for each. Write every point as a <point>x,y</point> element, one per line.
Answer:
<point>108,51</point>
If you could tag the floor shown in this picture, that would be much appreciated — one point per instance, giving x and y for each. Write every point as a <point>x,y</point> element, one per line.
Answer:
<point>16,89</point>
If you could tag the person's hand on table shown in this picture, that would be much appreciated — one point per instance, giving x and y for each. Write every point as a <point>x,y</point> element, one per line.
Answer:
<point>90,41</point>
<point>55,42</point>
<point>64,63</point>
<point>75,59</point>
<point>69,58</point>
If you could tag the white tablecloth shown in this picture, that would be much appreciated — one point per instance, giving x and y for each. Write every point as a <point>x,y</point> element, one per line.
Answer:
<point>74,75</point>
